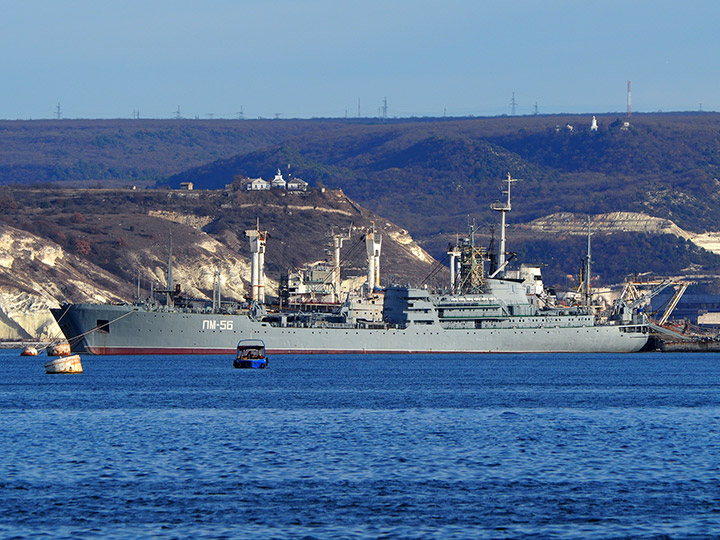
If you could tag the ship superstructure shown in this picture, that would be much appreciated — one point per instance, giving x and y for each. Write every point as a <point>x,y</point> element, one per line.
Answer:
<point>478,313</point>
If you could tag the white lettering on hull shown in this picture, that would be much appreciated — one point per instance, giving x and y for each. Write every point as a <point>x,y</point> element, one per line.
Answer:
<point>209,324</point>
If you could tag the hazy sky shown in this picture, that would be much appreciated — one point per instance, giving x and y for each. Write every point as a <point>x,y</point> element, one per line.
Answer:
<point>109,58</point>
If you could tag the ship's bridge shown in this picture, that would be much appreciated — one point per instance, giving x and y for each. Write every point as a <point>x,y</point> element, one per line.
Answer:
<point>404,306</point>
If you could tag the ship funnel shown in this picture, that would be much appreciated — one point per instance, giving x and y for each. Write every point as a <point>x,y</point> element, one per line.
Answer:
<point>338,240</point>
<point>454,252</point>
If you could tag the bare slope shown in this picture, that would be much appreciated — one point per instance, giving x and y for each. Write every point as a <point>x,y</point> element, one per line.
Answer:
<point>427,175</point>
<point>92,245</point>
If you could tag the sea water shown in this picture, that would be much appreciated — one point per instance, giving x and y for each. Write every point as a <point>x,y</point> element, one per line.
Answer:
<point>377,446</point>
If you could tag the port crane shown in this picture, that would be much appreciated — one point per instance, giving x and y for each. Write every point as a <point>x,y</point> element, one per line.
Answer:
<point>635,298</point>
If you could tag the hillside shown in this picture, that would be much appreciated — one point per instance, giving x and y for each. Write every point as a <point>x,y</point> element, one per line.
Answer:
<point>101,152</point>
<point>431,176</point>
<point>35,273</point>
<point>94,245</point>
<point>428,175</point>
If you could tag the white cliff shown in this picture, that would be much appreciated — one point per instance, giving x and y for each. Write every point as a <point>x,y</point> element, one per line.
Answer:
<point>576,224</point>
<point>403,238</point>
<point>36,275</point>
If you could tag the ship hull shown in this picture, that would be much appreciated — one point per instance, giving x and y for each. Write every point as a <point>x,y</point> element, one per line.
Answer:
<point>110,329</point>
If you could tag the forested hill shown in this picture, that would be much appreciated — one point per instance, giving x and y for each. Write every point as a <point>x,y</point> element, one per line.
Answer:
<point>100,152</point>
<point>427,175</point>
<point>663,163</point>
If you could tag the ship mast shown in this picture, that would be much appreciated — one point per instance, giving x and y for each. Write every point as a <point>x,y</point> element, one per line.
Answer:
<point>169,294</point>
<point>503,208</point>
<point>471,279</point>
<point>586,295</point>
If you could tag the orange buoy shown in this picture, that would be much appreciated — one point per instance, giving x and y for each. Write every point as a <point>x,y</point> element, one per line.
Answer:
<point>59,349</point>
<point>65,364</point>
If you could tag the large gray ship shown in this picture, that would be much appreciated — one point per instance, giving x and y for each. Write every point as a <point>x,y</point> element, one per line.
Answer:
<point>502,312</point>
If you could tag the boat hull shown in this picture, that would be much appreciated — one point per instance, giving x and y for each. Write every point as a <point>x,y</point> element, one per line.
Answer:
<point>129,329</point>
<point>250,364</point>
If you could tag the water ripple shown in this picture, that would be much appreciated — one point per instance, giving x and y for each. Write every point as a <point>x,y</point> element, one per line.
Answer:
<point>565,446</point>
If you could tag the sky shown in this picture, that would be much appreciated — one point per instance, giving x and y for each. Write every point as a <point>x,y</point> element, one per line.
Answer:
<point>336,58</point>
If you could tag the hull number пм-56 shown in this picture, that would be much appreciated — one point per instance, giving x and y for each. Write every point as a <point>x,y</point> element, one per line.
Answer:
<point>209,324</point>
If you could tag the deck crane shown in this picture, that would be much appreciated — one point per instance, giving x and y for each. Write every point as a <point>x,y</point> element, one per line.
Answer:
<point>635,299</point>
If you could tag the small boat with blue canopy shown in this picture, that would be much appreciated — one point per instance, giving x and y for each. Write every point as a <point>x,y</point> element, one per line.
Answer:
<point>251,354</point>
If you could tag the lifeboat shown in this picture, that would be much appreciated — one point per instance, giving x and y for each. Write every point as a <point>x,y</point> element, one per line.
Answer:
<point>29,351</point>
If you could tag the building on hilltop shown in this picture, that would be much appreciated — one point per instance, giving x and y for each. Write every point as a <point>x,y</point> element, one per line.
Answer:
<point>257,184</point>
<point>295,184</point>
<point>278,182</point>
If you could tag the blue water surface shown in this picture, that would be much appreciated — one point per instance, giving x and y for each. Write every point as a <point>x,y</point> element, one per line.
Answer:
<point>377,446</point>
